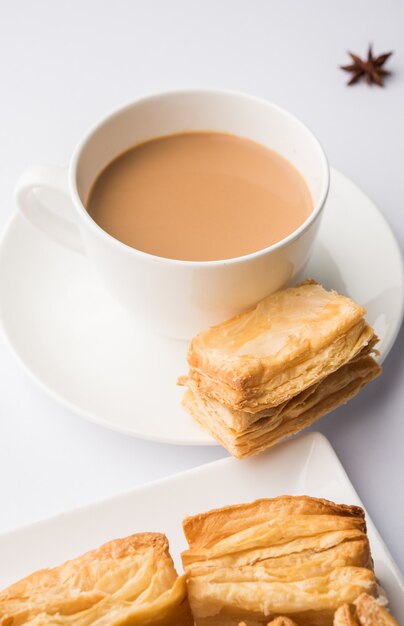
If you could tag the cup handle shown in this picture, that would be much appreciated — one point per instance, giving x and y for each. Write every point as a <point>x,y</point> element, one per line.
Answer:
<point>42,196</point>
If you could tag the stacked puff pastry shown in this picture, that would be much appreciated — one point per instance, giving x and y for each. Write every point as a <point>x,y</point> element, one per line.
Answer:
<point>277,368</point>
<point>126,582</point>
<point>296,557</point>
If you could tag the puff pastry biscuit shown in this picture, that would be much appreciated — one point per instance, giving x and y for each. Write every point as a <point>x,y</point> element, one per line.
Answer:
<point>365,611</point>
<point>274,370</point>
<point>291,340</point>
<point>244,434</point>
<point>126,582</point>
<point>295,557</point>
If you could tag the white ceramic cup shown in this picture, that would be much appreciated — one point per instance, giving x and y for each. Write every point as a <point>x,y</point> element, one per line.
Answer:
<point>177,298</point>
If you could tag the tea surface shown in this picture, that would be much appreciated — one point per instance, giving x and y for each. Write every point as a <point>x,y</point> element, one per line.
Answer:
<point>199,196</point>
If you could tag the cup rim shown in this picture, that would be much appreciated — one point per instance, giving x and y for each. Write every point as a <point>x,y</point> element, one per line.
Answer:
<point>180,262</point>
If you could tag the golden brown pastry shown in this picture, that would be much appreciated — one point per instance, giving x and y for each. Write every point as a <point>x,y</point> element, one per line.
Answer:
<point>291,340</point>
<point>365,611</point>
<point>295,557</point>
<point>126,582</point>
<point>274,370</point>
<point>370,613</point>
<point>278,621</point>
<point>281,621</point>
<point>244,434</point>
<point>345,615</point>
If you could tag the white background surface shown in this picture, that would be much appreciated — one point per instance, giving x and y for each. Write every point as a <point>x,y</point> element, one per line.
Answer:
<point>65,64</point>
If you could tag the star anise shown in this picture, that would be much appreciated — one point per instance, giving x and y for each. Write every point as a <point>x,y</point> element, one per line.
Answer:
<point>371,70</point>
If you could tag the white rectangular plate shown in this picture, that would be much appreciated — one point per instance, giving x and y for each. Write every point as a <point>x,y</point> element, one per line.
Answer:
<point>304,465</point>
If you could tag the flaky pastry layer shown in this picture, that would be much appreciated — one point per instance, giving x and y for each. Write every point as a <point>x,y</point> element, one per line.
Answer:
<point>291,340</point>
<point>125,582</point>
<point>296,557</point>
<point>244,434</point>
<point>365,611</point>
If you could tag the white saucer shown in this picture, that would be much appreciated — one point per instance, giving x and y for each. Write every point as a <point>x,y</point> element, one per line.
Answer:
<point>93,357</point>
